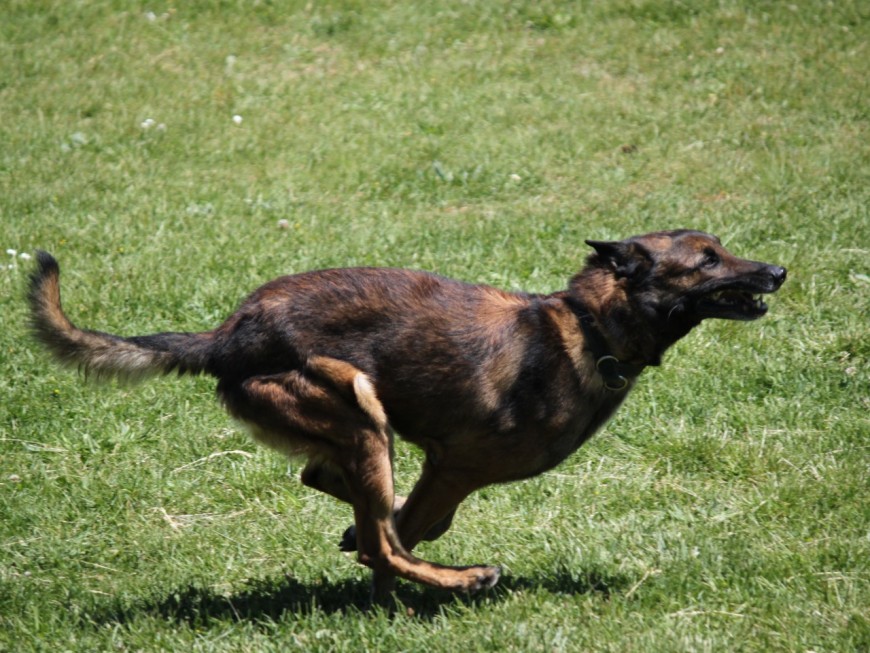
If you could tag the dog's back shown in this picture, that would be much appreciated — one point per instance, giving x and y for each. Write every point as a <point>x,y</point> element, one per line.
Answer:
<point>445,356</point>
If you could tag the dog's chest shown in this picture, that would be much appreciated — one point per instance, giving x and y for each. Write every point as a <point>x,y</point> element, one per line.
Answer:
<point>562,442</point>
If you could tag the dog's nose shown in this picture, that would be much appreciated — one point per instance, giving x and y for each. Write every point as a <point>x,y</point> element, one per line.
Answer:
<point>778,274</point>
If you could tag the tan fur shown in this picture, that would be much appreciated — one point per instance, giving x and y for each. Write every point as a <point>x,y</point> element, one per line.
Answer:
<point>368,400</point>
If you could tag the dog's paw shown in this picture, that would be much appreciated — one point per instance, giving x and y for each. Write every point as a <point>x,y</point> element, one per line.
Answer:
<point>485,578</point>
<point>348,540</point>
<point>473,579</point>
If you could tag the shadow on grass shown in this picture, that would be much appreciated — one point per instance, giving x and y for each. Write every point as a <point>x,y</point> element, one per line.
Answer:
<point>269,599</point>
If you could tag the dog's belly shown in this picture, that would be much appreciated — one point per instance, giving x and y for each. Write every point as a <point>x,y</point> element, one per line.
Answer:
<point>508,444</point>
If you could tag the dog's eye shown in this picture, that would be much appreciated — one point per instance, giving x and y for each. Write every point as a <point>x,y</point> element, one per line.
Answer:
<point>711,258</point>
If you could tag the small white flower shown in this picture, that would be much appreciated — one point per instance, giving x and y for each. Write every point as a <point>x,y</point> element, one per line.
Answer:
<point>148,123</point>
<point>720,50</point>
<point>150,16</point>
<point>24,256</point>
<point>516,177</point>
<point>161,127</point>
<point>283,224</point>
<point>12,252</point>
<point>237,119</point>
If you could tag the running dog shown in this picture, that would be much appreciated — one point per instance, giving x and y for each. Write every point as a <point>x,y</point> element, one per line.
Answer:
<point>494,386</point>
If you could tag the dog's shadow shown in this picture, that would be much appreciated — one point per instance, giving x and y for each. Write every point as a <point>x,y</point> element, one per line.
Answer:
<point>269,599</point>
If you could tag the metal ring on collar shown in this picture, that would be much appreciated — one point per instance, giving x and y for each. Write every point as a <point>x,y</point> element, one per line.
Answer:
<point>623,384</point>
<point>620,380</point>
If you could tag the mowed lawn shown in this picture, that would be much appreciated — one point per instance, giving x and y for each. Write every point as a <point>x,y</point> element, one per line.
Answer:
<point>173,156</point>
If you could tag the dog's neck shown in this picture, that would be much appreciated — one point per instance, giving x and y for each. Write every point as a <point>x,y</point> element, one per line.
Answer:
<point>632,333</point>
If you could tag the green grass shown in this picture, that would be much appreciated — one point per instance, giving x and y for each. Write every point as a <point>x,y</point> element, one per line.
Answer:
<point>725,508</point>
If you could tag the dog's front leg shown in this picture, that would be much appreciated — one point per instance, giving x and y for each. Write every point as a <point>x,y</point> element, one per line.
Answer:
<point>429,510</point>
<point>348,538</point>
<point>365,463</point>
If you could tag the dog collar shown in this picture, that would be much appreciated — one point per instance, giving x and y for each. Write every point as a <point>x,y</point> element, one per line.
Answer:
<point>615,373</point>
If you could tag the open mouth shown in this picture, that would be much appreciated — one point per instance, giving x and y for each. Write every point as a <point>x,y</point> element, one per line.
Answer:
<point>737,296</point>
<point>732,304</point>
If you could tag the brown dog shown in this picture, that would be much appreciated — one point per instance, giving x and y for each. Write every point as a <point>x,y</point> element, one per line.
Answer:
<point>494,386</point>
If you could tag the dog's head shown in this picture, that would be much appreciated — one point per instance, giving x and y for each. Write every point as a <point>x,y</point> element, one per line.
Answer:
<point>687,276</point>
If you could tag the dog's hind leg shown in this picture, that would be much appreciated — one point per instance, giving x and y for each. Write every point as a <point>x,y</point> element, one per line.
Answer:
<point>325,477</point>
<point>329,411</point>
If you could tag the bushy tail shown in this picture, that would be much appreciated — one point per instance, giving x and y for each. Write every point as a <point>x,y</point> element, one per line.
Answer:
<point>102,354</point>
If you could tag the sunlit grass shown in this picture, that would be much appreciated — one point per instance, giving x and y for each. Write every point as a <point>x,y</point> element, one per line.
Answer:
<point>175,156</point>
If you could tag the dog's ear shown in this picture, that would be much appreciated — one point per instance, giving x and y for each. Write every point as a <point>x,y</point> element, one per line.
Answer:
<point>625,257</point>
